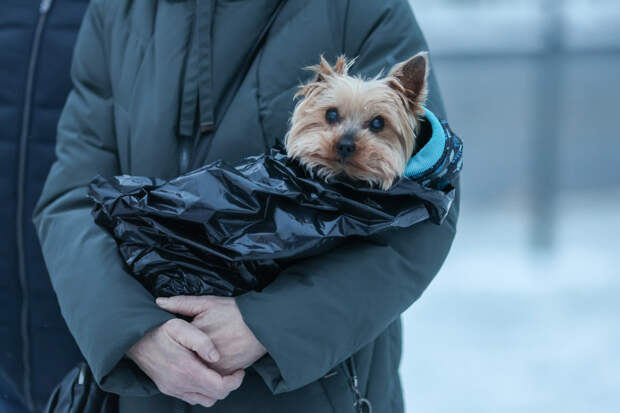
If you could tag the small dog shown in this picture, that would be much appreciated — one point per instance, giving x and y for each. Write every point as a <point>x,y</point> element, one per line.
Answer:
<point>365,129</point>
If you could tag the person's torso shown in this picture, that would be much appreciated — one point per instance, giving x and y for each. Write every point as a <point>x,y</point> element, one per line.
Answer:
<point>155,70</point>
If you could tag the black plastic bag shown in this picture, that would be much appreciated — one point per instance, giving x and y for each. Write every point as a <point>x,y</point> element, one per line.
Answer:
<point>225,230</point>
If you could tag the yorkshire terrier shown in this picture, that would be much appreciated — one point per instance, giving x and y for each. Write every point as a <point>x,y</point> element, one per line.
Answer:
<point>363,128</point>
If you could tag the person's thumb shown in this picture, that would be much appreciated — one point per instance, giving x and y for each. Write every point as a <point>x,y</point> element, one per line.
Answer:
<point>186,305</point>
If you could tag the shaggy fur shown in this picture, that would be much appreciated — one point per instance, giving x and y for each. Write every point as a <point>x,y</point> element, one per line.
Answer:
<point>379,156</point>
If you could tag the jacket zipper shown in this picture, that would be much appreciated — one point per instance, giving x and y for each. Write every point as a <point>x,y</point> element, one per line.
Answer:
<point>44,7</point>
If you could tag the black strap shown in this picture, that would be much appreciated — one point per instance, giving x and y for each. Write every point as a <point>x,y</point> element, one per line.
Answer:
<point>204,136</point>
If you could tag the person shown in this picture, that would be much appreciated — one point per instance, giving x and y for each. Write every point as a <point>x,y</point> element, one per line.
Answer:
<point>36,43</point>
<point>162,87</point>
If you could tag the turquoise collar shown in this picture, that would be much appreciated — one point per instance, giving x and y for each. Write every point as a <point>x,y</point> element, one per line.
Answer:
<point>431,153</point>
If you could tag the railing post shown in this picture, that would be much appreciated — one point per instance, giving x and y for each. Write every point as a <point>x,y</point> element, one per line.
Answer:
<point>544,141</point>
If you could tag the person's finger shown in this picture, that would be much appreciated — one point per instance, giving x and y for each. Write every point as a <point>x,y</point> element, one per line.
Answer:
<point>216,386</point>
<point>187,305</point>
<point>192,338</point>
<point>197,398</point>
<point>233,381</point>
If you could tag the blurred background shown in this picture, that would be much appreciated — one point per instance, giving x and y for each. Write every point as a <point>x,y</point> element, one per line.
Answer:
<point>524,316</point>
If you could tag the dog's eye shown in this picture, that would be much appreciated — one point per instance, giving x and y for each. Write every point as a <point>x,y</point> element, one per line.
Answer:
<point>332,116</point>
<point>377,124</point>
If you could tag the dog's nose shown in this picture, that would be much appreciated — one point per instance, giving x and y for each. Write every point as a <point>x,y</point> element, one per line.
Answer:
<point>346,145</point>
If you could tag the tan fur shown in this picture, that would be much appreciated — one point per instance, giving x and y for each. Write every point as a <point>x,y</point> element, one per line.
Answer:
<point>379,158</point>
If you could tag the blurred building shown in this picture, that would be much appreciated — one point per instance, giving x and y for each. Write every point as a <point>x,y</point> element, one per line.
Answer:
<point>523,317</point>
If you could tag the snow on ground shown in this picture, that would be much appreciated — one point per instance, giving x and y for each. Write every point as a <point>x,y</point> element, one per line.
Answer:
<point>506,329</point>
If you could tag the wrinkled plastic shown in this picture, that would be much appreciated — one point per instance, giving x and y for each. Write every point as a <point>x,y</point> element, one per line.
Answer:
<point>225,230</point>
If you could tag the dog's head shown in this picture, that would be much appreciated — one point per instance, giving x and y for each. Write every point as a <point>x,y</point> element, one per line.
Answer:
<point>365,129</point>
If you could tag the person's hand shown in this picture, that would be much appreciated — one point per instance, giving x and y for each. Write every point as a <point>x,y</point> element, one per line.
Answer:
<point>221,320</point>
<point>172,356</point>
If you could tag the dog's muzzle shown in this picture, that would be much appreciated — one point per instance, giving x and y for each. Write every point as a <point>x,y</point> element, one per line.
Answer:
<point>346,146</point>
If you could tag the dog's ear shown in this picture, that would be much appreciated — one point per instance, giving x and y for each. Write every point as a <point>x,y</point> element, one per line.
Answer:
<point>410,78</point>
<point>324,71</point>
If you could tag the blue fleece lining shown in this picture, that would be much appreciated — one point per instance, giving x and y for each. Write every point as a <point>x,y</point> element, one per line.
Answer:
<point>430,153</point>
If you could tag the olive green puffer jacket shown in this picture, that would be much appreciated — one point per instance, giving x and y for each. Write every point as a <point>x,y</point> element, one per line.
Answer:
<point>149,74</point>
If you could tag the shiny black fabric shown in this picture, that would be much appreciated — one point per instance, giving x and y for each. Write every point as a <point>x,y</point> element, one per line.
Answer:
<point>226,230</point>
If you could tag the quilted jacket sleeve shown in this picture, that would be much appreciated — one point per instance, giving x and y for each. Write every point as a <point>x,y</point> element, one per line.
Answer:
<point>106,310</point>
<point>320,311</point>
